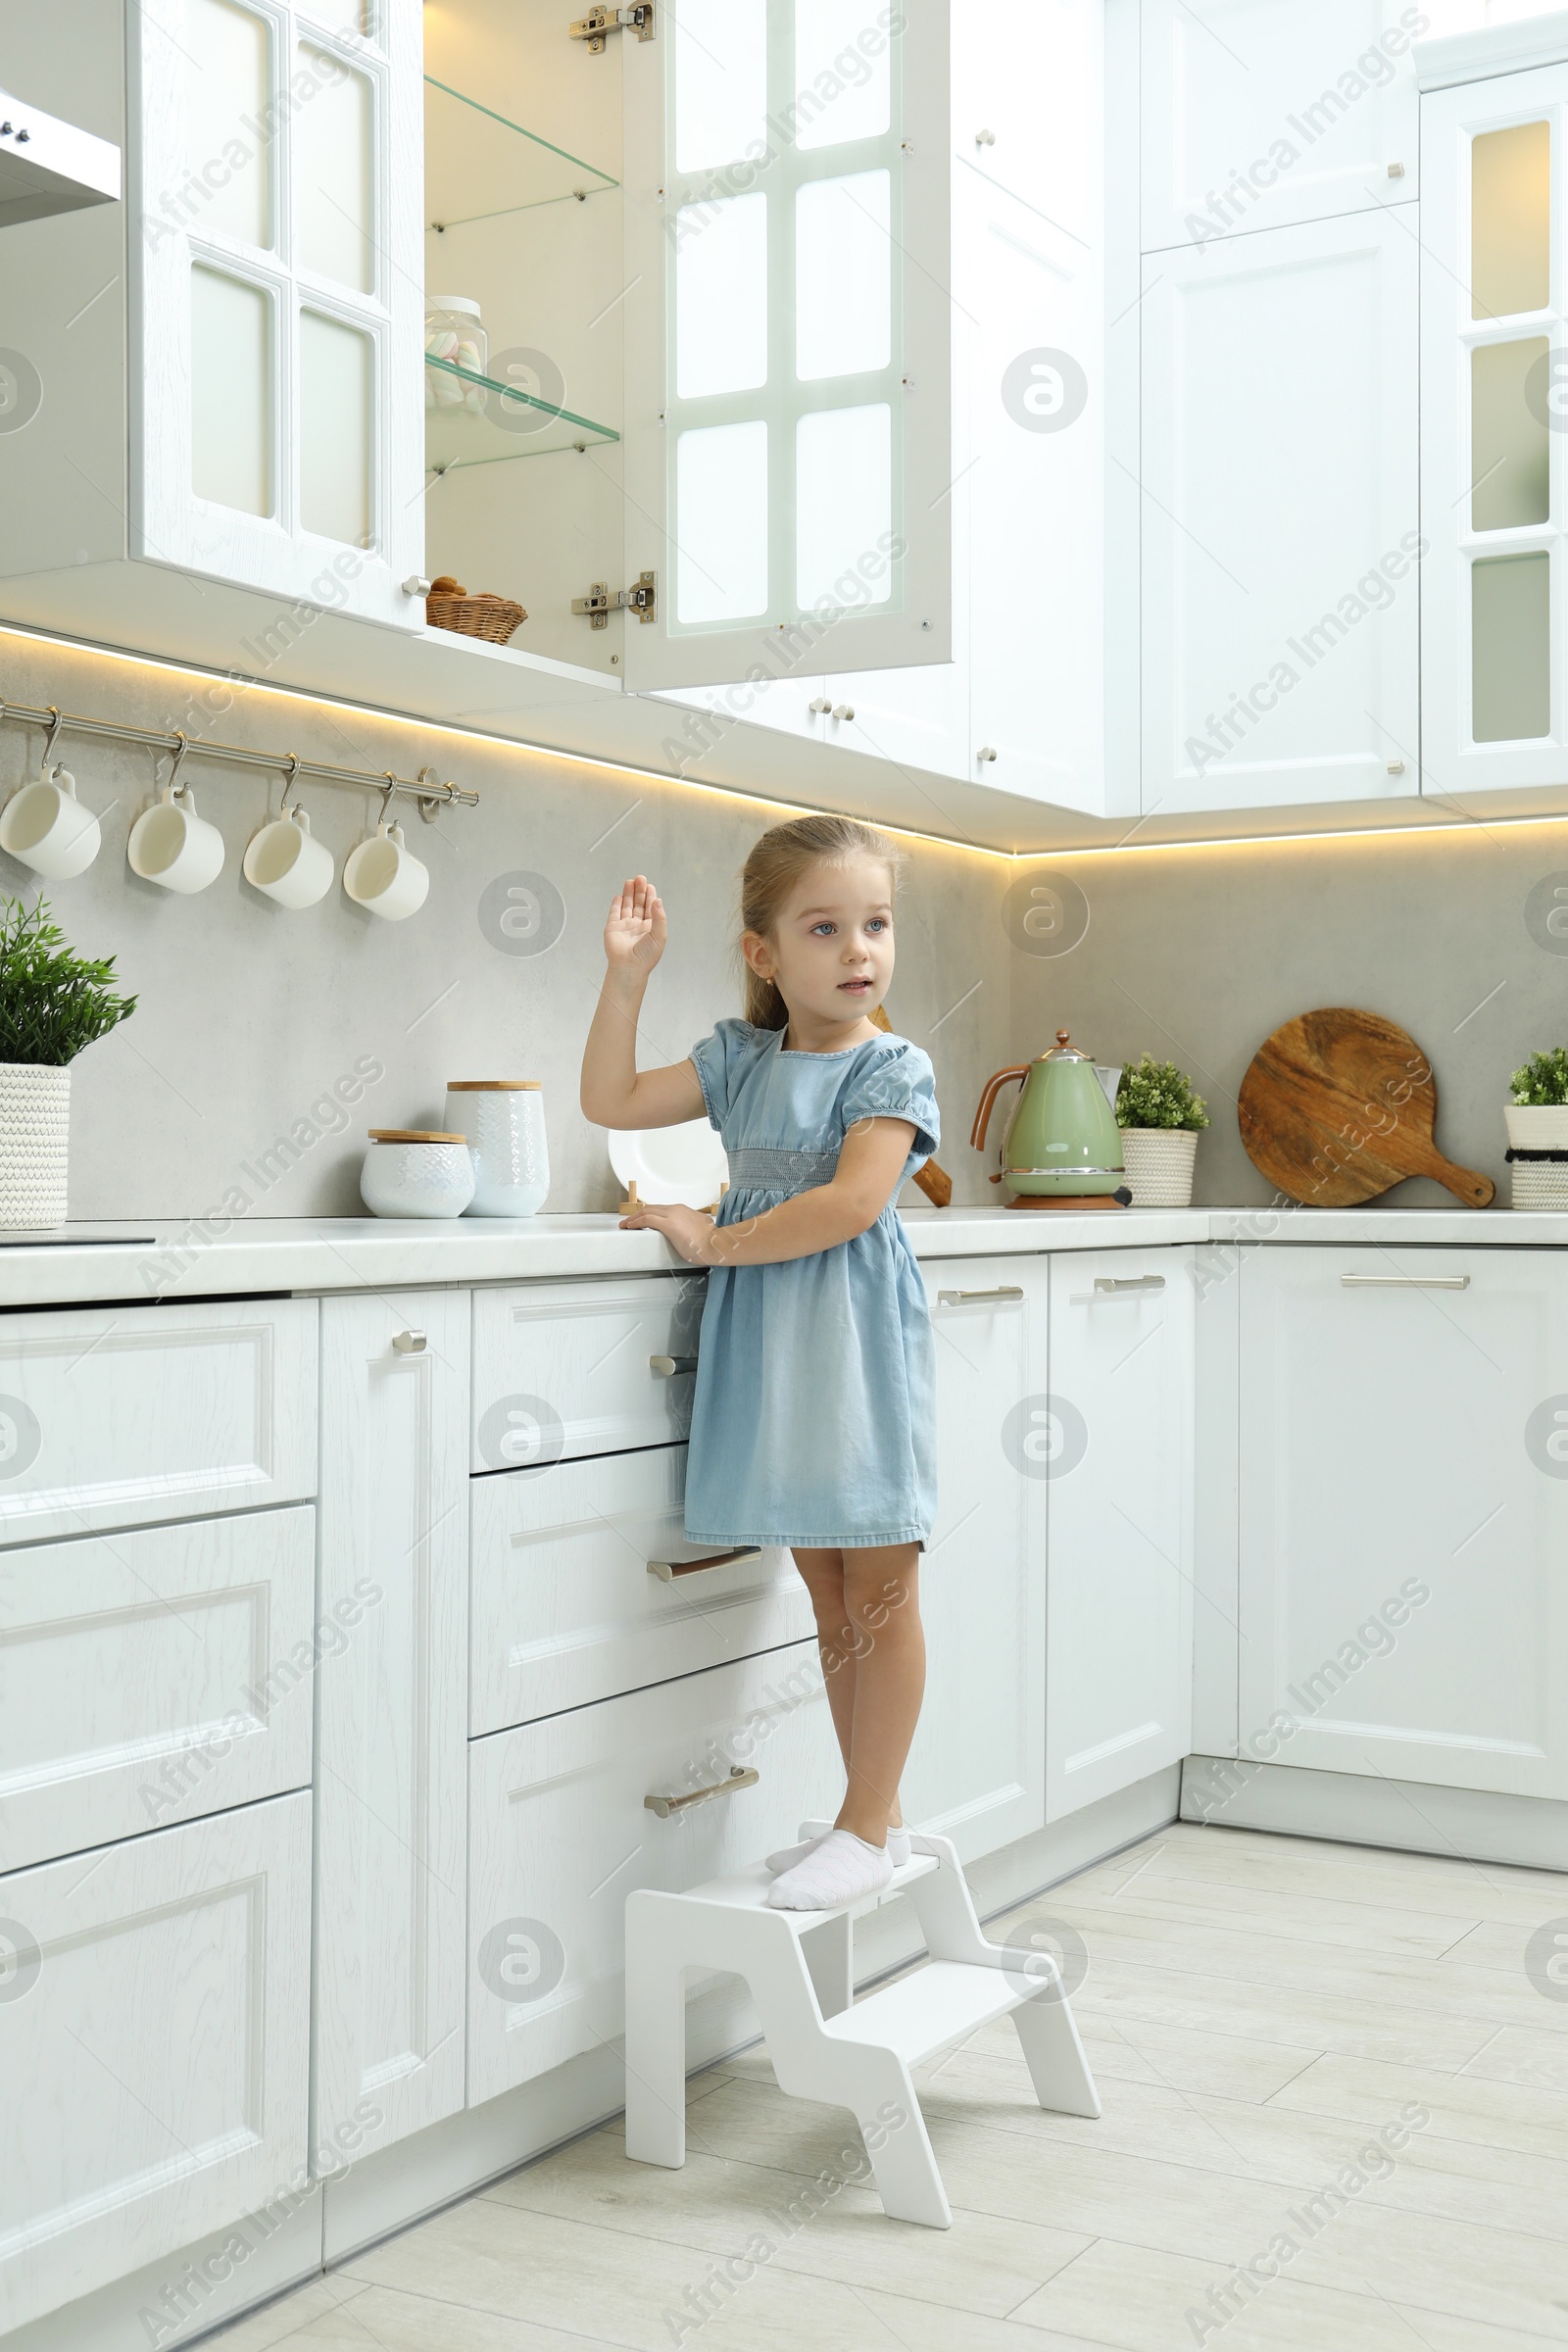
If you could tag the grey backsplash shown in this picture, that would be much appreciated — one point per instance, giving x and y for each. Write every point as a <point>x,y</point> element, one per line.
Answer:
<point>1196,956</point>
<point>249,1017</point>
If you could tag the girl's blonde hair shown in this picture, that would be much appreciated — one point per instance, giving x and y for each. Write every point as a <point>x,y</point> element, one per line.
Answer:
<point>772,872</point>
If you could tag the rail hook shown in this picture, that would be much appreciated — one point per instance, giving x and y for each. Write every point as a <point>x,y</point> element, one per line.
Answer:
<point>292,764</point>
<point>56,722</point>
<point>388,790</point>
<point>173,786</point>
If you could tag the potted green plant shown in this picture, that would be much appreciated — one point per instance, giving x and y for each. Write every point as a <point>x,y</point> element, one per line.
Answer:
<point>51,1004</point>
<point>1537,1118</point>
<point>1160,1118</point>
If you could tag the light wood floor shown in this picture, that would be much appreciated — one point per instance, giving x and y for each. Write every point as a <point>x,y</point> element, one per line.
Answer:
<point>1255,2009</point>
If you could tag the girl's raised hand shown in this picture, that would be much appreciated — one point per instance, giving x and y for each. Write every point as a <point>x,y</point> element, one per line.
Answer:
<point>634,929</point>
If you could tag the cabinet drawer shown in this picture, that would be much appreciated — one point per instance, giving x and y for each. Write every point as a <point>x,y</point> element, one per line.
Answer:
<point>567,1609</point>
<point>559,1834</point>
<point>118,1417</point>
<point>563,1369</point>
<point>154,2048</point>
<point>152,1678</point>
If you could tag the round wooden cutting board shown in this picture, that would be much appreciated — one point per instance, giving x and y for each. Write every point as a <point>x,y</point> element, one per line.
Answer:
<point>1338,1105</point>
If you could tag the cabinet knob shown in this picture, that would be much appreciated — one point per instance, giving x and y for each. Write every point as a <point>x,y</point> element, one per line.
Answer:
<point>844,709</point>
<point>1396,171</point>
<point>671,1368</point>
<point>821,705</point>
<point>410,1343</point>
<point>986,751</point>
<point>985,138</point>
<point>415,585</point>
<point>1395,768</point>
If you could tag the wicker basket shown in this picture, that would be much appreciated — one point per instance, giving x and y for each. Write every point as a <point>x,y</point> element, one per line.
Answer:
<point>448,607</point>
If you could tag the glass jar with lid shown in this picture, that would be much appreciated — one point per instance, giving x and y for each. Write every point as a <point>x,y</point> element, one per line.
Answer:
<point>454,332</point>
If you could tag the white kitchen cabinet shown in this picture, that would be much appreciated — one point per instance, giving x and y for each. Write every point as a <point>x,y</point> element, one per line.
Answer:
<point>1257,113</point>
<point>584,1586</point>
<point>1494,384</point>
<point>149,1677</point>
<point>975,1771</point>
<point>567,1368</point>
<point>560,1833</point>
<point>114,1415</point>
<point>392,1714</point>
<point>1404,1514</point>
<point>1281,533</point>
<point>154,2049</point>
<point>1113,1448</point>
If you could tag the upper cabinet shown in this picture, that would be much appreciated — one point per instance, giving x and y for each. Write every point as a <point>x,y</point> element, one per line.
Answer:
<point>647,333</point>
<point>1494,406</point>
<point>275,318</point>
<point>1257,112</point>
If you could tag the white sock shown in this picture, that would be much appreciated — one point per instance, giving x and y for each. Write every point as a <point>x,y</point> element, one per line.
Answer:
<point>788,1856</point>
<point>841,1869</point>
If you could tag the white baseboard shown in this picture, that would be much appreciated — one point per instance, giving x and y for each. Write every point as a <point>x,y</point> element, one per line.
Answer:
<point>403,2185</point>
<point>1363,1809</point>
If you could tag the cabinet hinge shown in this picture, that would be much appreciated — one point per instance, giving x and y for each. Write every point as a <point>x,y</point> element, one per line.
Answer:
<point>597,26</point>
<point>641,597</point>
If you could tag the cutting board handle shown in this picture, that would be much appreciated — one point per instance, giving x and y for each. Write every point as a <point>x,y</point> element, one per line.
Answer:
<point>1465,1184</point>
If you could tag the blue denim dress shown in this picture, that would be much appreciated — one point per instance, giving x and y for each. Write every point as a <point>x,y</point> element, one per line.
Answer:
<point>814,1418</point>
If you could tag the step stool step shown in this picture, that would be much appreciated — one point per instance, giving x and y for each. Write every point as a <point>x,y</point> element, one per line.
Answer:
<point>746,1891</point>
<point>929,2010</point>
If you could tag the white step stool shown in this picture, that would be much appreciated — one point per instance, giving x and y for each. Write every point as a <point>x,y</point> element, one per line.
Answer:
<point>825,2044</point>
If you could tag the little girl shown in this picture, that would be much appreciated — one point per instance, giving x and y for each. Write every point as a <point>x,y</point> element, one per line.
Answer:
<point>812,1422</point>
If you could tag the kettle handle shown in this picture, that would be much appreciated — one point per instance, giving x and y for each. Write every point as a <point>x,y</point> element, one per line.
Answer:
<point>982,1117</point>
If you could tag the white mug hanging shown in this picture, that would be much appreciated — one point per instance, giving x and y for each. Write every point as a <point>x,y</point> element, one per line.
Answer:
<point>173,846</point>
<point>383,875</point>
<point>45,826</point>
<point>286,863</point>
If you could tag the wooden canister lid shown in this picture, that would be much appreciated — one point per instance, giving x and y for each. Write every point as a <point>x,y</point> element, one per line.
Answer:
<point>413,1134</point>
<point>494,1086</point>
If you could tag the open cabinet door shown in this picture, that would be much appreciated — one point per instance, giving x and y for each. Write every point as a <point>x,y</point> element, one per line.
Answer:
<point>788,442</point>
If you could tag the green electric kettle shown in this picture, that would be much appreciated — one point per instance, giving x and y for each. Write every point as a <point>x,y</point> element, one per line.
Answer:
<point>1063,1148</point>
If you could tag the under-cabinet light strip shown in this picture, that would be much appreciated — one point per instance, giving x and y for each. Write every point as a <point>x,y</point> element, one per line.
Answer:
<point>656,775</point>
<point>428,790</point>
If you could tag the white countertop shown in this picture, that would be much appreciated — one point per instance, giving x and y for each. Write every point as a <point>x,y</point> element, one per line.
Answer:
<point>172,1258</point>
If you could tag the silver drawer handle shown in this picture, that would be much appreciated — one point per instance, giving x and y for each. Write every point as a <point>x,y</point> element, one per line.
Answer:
<point>669,1367</point>
<point>743,1776</point>
<point>1406,1282</point>
<point>1005,1290</point>
<point>410,1343</point>
<point>671,1570</point>
<point>1129,1282</point>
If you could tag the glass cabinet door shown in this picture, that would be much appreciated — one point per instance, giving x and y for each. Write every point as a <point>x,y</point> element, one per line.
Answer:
<point>787,417</point>
<point>275,185</point>
<point>1494,409</point>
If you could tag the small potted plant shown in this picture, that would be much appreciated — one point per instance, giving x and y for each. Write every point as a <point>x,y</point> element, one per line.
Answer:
<point>51,1004</point>
<point>1536,1116</point>
<point>1160,1118</point>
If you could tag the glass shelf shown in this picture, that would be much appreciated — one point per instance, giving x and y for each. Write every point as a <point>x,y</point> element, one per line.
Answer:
<point>480,165</point>
<point>489,423</point>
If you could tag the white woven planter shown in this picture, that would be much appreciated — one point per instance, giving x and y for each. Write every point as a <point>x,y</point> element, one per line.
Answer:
<point>1159,1161</point>
<point>34,1144</point>
<point>1538,1127</point>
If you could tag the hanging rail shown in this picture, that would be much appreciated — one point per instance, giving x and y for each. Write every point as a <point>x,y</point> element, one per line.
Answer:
<point>428,789</point>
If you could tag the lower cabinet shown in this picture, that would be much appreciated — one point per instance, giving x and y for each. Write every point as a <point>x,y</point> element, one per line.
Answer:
<point>1404,1514</point>
<point>392,1636</point>
<point>154,2048</point>
<point>1114,1449</point>
<point>975,1771</point>
<point>561,1829</point>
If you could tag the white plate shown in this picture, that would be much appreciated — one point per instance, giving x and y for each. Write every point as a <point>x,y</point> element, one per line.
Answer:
<point>684,1163</point>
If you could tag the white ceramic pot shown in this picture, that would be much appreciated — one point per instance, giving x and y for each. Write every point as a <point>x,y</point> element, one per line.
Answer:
<point>45,826</point>
<point>34,1144</point>
<point>417,1173</point>
<point>1159,1161</point>
<point>504,1120</point>
<point>1538,1127</point>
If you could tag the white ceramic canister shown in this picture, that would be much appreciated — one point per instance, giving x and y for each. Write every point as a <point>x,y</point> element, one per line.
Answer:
<point>417,1173</point>
<point>504,1120</point>
<point>35,1145</point>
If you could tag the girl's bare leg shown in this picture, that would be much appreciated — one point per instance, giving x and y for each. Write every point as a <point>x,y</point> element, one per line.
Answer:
<point>873,1657</point>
